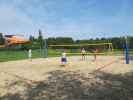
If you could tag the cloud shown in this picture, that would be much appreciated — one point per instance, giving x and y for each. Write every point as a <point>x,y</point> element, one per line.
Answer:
<point>12,21</point>
<point>63,18</point>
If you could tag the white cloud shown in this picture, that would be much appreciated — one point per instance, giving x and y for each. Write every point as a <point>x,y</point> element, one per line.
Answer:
<point>19,16</point>
<point>13,21</point>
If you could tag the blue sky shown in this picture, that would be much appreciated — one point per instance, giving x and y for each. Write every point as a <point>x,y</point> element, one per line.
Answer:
<point>76,18</point>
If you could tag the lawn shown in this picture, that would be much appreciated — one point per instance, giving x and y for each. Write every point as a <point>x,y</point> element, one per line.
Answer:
<point>10,55</point>
<point>17,55</point>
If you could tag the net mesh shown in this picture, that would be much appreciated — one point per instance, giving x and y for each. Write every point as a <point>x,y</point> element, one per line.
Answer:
<point>75,49</point>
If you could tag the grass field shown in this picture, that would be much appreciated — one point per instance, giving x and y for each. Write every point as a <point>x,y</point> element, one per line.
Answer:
<point>9,55</point>
<point>17,55</point>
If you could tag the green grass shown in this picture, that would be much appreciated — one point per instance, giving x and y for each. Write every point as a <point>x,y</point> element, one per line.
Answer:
<point>9,55</point>
<point>17,55</point>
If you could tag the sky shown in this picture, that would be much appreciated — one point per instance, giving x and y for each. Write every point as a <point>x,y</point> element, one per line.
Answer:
<point>80,19</point>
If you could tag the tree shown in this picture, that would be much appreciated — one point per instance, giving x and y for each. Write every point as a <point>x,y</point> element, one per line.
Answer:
<point>51,41</point>
<point>31,38</point>
<point>2,40</point>
<point>40,39</point>
<point>130,42</point>
<point>64,40</point>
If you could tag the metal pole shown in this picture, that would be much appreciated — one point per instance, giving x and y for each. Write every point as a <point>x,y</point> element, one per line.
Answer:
<point>126,51</point>
<point>45,49</point>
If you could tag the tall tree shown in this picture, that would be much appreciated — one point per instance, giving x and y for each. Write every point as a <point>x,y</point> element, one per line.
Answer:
<point>2,40</point>
<point>31,38</point>
<point>40,38</point>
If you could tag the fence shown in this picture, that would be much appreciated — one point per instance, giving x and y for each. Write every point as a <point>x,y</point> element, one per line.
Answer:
<point>8,55</point>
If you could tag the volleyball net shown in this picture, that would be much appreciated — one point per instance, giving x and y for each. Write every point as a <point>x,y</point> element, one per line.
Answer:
<point>75,49</point>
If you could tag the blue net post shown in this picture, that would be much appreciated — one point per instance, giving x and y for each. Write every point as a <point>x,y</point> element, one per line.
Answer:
<point>45,49</point>
<point>127,54</point>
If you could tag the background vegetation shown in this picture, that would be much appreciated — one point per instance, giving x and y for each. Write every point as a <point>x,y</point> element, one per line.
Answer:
<point>38,43</point>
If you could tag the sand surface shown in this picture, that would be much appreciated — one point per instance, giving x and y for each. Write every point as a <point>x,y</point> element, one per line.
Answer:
<point>19,76</point>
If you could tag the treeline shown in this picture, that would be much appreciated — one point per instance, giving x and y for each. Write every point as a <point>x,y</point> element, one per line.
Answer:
<point>39,42</point>
<point>118,42</point>
<point>2,40</point>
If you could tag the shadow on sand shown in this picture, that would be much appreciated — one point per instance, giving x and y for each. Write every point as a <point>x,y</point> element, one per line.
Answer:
<point>64,85</point>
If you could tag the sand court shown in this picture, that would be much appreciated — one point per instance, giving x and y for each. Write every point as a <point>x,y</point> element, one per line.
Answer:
<point>27,72</point>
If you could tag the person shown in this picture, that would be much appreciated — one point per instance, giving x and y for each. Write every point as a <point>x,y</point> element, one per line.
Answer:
<point>83,53</point>
<point>64,59</point>
<point>95,54</point>
<point>30,54</point>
